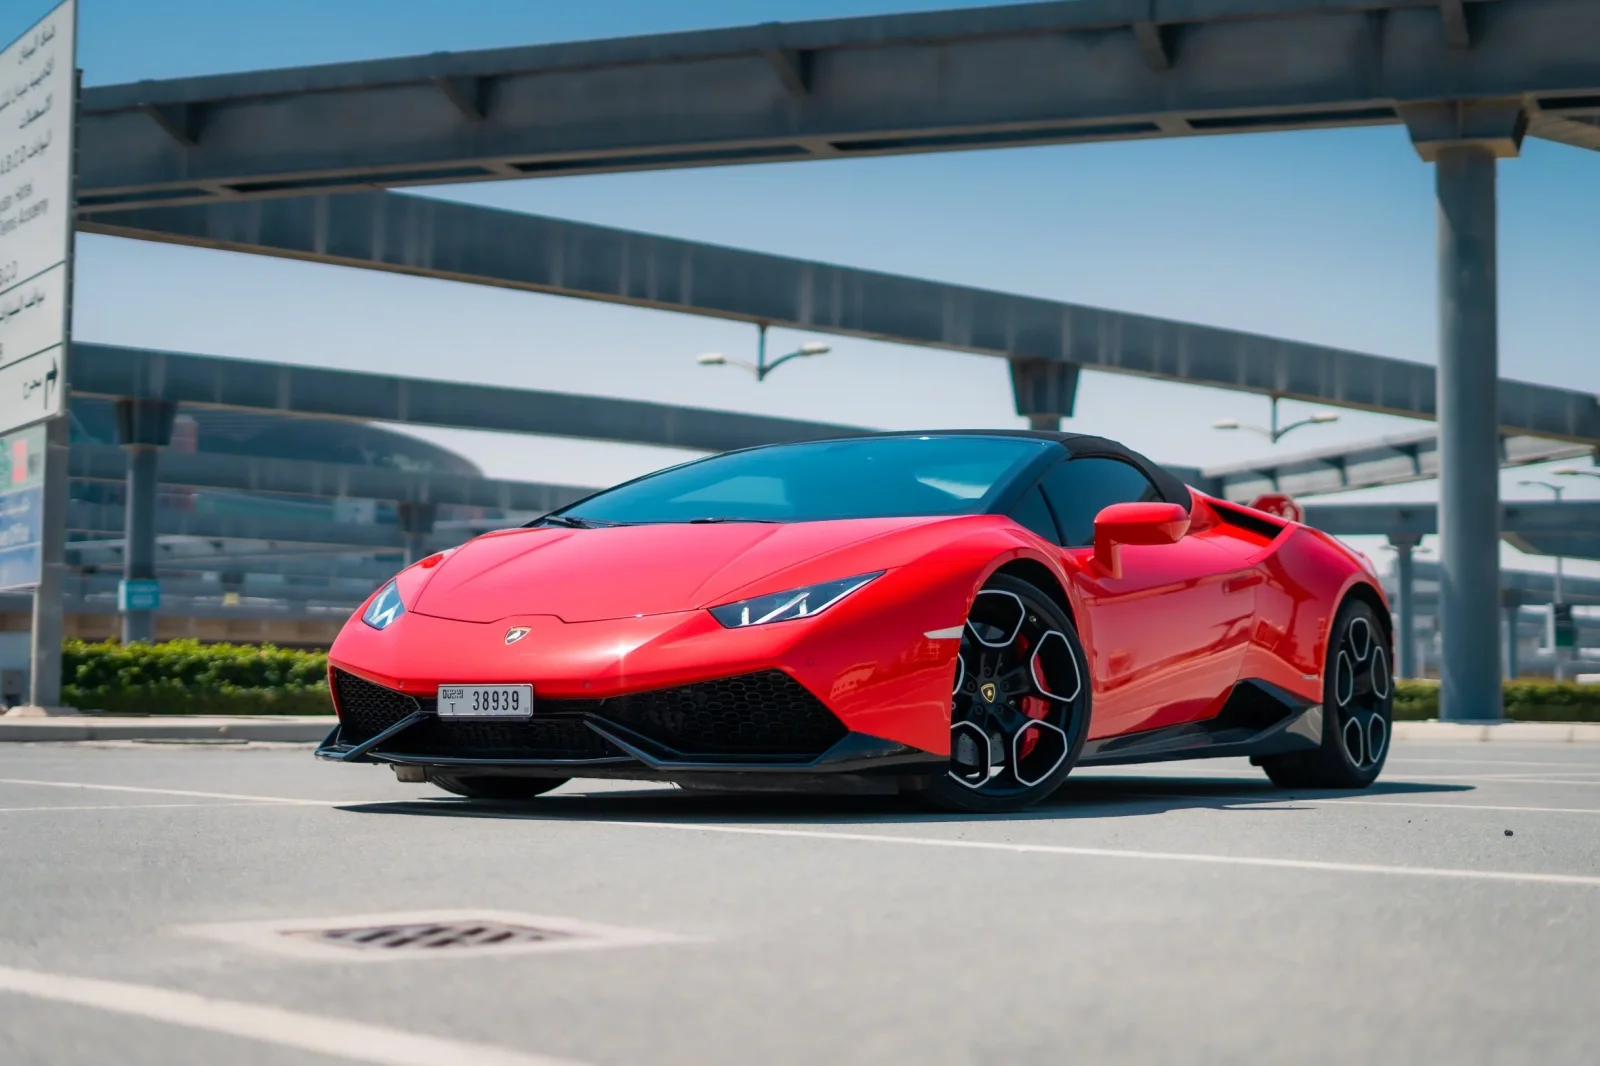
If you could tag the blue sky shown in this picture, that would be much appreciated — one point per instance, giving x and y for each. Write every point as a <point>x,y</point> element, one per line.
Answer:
<point>1326,237</point>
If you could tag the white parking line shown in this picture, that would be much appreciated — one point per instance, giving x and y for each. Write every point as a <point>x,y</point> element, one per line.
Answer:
<point>1495,762</point>
<point>1339,801</point>
<point>125,807</point>
<point>1578,880</point>
<point>288,800</point>
<point>1557,778</point>
<point>355,1041</point>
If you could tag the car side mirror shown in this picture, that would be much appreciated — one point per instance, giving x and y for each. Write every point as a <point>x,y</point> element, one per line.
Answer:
<point>1135,523</point>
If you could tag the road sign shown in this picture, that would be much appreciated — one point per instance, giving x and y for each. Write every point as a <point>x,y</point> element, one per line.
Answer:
<point>1277,503</point>
<point>21,507</point>
<point>38,103</point>
<point>138,594</point>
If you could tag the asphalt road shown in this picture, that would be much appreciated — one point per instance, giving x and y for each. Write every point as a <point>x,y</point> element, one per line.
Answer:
<point>1179,914</point>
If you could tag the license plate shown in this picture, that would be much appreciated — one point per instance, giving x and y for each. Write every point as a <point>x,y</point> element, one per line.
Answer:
<point>485,701</point>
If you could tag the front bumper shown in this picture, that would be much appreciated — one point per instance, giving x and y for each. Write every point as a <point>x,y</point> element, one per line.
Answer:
<point>762,723</point>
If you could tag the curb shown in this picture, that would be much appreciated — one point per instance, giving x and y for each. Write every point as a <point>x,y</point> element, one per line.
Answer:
<point>300,729</point>
<point>1504,732</point>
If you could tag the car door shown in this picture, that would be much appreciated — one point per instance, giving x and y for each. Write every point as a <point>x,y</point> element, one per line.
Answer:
<point>1168,636</point>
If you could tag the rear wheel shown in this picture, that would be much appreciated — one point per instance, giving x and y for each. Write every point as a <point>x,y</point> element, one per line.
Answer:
<point>495,787</point>
<point>1020,708</point>
<point>1357,709</point>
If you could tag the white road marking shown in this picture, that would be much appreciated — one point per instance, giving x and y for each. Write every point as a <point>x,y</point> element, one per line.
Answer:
<point>126,807</point>
<point>1458,806</point>
<point>355,1041</point>
<point>1342,800</point>
<point>1093,773</point>
<point>1493,762</point>
<point>1115,853</point>
<point>198,795</point>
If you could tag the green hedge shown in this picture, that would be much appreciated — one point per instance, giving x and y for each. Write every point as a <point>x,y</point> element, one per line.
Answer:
<point>1525,701</point>
<point>187,677</point>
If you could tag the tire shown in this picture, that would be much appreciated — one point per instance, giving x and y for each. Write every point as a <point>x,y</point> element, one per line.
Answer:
<point>1357,709</point>
<point>1020,709</point>
<point>497,787</point>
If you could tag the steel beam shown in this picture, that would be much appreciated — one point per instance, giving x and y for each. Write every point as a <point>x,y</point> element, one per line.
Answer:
<point>1392,460</point>
<point>1028,74</point>
<point>1538,517</point>
<point>110,372</point>
<point>431,238</point>
<point>1536,586</point>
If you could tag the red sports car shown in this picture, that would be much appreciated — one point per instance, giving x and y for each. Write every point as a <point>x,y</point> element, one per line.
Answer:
<point>962,615</point>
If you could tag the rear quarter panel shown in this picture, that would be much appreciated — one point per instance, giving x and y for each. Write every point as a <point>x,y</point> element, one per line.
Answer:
<point>1308,575</point>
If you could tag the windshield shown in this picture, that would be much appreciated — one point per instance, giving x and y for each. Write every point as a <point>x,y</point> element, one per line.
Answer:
<point>873,477</point>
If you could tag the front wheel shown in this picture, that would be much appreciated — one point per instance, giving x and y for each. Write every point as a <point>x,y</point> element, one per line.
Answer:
<point>1020,707</point>
<point>497,787</point>
<point>1357,709</point>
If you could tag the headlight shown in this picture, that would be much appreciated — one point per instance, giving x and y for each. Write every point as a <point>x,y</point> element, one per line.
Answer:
<point>384,608</point>
<point>786,606</point>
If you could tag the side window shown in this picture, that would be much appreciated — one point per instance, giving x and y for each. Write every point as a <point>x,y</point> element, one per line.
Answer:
<point>1079,489</point>
<point>1031,513</point>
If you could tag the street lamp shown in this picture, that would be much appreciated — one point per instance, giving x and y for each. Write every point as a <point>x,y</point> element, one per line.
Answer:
<point>1556,600</point>
<point>1274,433</point>
<point>761,368</point>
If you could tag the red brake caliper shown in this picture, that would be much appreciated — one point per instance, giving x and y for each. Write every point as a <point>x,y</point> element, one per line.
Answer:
<point>1033,707</point>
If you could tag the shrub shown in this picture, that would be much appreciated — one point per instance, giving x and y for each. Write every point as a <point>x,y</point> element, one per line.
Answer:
<point>188,677</point>
<point>1525,701</point>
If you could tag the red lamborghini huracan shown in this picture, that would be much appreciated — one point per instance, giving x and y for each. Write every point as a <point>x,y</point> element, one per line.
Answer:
<point>963,615</point>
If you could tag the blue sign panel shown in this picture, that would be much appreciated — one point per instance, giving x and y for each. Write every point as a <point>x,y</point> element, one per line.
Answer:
<point>21,507</point>
<point>138,594</point>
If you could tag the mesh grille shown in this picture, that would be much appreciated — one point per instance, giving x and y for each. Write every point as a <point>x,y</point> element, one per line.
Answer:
<point>365,709</point>
<point>769,713</point>
<point>536,738</point>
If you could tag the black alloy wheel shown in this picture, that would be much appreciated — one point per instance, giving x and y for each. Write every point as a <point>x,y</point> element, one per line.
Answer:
<point>1357,709</point>
<point>1020,707</point>
<point>496,786</point>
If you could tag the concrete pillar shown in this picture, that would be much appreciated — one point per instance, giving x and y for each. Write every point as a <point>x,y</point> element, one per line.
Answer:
<point>144,427</point>
<point>416,522</point>
<point>1405,638</point>
<point>1511,608</point>
<point>1464,140</point>
<point>49,608</point>
<point>1044,390</point>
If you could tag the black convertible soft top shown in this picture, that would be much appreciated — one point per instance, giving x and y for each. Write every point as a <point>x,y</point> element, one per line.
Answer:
<point>1172,490</point>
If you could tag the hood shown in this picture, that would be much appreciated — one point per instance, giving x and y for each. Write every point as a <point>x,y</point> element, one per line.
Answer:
<point>587,575</point>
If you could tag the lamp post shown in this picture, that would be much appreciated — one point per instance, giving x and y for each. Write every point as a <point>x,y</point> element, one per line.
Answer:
<point>761,368</point>
<point>1555,649</point>
<point>1274,433</point>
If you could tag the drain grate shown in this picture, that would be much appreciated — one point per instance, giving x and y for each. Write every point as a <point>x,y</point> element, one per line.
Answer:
<point>425,935</point>
<point>432,936</point>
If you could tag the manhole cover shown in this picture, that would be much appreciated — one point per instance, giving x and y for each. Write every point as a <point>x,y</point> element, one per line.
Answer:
<point>429,934</point>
